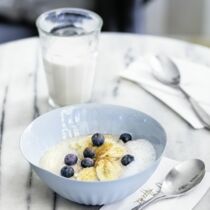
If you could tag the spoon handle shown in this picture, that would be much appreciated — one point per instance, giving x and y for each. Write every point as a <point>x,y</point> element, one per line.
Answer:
<point>199,111</point>
<point>157,197</point>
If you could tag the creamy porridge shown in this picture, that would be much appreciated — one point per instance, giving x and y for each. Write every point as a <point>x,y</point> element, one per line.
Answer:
<point>99,157</point>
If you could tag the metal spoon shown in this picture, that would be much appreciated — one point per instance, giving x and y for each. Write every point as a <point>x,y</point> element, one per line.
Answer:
<point>167,72</point>
<point>178,181</point>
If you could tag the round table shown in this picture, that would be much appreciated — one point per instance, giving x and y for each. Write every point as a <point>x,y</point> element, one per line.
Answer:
<point>23,96</point>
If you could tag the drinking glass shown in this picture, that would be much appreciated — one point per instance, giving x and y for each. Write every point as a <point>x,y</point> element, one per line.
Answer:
<point>69,39</point>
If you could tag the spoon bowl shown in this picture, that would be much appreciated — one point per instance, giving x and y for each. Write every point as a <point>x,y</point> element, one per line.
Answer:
<point>166,71</point>
<point>180,180</point>
<point>183,177</point>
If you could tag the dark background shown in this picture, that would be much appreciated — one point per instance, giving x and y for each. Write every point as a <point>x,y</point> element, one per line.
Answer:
<point>17,20</point>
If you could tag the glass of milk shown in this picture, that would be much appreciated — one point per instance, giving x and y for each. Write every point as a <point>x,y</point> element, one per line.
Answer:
<point>69,39</point>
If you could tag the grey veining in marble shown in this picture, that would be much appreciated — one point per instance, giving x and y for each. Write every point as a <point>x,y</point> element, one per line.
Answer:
<point>23,96</point>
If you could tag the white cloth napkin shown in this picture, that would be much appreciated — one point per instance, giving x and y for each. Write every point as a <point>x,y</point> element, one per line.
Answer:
<point>186,202</point>
<point>195,79</point>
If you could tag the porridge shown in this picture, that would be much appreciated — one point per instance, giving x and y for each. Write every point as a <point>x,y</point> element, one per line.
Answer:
<point>99,157</point>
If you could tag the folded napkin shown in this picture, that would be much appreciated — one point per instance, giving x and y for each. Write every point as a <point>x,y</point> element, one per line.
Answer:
<point>195,80</point>
<point>186,202</point>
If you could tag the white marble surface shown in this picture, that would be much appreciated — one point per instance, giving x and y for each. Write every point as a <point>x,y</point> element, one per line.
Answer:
<point>23,96</point>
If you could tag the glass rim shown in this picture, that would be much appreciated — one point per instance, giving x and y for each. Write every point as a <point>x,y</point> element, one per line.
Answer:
<point>73,9</point>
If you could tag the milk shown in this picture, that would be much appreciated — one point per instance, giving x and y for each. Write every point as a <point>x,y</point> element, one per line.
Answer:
<point>69,82</point>
<point>69,64</point>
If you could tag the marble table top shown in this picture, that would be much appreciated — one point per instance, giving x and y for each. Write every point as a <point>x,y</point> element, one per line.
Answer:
<point>23,97</point>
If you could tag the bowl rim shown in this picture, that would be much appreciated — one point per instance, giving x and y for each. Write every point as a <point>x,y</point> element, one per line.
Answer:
<point>92,105</point>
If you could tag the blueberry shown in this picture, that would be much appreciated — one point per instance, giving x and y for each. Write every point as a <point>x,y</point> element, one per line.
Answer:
<point>126,159</point>
<point>125,137</point>
<point>88,152</point>
<point>70,159</point>
<point>67,171</point>
<point>87,162</point>
<point>97,139</point>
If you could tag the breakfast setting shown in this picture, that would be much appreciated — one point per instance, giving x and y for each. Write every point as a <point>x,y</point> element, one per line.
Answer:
<point>101,108</point>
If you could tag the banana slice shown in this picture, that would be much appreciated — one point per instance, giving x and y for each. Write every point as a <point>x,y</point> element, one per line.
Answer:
<point>116,151</point>
<point>110,149</point>
<point>108,170</point>
<point>102,150</point>
<point>109,138</point>
<point>87,174</point>
<point>80,145</point>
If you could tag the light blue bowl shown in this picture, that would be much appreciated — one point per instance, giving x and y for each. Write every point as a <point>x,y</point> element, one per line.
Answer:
<point>80,120</point>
